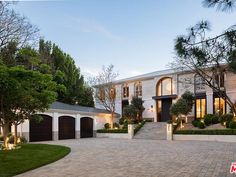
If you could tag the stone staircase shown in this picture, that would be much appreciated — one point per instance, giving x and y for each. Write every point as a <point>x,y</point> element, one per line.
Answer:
<point>153,131</point>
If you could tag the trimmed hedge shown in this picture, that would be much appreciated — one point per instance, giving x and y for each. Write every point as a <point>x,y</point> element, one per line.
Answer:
<point>207,132</point>
<point>112,131</point>
<point>139,126</point>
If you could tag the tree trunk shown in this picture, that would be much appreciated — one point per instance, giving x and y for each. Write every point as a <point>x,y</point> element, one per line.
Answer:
<point>15,135</point>
<point>112,115</point>
<point>5,134</point>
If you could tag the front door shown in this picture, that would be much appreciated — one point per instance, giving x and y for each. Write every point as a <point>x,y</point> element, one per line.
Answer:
<point>165,110</point>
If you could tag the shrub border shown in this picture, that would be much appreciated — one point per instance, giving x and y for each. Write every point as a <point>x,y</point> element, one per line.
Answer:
<point>207,132</point>
<point>139,126</point>
<point>112,131</point>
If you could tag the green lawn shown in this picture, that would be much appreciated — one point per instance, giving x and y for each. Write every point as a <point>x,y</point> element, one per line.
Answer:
<point>28,157</point>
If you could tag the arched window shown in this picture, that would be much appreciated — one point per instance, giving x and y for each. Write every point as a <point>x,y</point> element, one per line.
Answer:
<point>138,89</point>
<point>165,87</point>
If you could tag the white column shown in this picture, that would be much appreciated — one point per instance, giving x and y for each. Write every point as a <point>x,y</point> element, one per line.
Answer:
<point>155,110</point>
<point>24,128</point>
<point>209,103</point>
<point>55,126</point>
<point>169,131</point>
<point>131,131</point>
<point>77,126</point>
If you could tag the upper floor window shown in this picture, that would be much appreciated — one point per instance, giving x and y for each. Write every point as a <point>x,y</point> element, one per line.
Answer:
<point>165,87</point>
<point>101,94</point>
<point>138,89</point>
<point>199,84</point>
<point>219,80</point>
<point>112,93</point>
<point>125,91</point>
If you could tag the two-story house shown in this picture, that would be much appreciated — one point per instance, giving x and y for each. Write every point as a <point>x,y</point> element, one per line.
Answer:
<point>160,89</point>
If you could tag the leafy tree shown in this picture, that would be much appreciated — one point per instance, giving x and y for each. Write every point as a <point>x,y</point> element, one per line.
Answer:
<point>27,57</point>
<point>183,105</point>
<point>130,113</point>
<point>138,104</point>
<point>8,52</point>
<point>189,98</point>
<point>105,93</point>
<point>23,93</point>
<point>223,5</point>
<point>209,57</point>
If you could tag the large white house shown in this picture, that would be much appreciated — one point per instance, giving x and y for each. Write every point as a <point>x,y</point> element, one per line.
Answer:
<point>160,89</point>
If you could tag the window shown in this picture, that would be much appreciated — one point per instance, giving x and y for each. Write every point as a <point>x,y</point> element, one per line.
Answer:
<point>101,94</point>
<point>200,107</point>
<point>125,91</point>
<point>199,84</point>
<point>113,93</point>
<point>138,89</point>
<point>165,87</point>
<point>219,80</point>
<point>219,106</point>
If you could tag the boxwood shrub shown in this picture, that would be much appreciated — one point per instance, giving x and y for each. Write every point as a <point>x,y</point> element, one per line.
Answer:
<point>200,125</point>
<point>112,131</point>
<point>226,118</point>
<point>195,123</point>
<point>232,125</point>
<point>139,126</point>
<point>207,132</point>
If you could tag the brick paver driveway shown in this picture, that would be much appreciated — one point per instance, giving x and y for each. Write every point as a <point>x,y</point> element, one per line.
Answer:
<point>144,158</point>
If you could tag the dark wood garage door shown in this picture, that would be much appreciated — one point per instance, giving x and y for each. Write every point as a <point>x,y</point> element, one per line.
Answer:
<point>66,127</point>
<point>86,127</point>
<point>41,131</point>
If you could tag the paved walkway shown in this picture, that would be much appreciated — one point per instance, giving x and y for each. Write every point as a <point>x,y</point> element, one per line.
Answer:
<point>140,158</point>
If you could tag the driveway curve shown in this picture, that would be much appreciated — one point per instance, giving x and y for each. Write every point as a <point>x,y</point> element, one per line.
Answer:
<point>98,157</point>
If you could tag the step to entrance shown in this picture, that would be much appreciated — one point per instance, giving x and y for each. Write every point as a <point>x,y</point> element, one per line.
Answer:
<point>153,131</point>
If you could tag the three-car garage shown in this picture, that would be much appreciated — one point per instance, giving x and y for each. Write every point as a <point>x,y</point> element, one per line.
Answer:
<point>63,121</point>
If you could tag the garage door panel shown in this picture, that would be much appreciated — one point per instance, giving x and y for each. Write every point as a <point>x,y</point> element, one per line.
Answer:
<point>66,127</point>
<point>86,127</point>
<point>41,131</point>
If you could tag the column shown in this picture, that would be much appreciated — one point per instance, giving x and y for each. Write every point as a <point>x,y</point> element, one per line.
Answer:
<point>169,131</point>
<point>55,126</point>
<point>77,126</point>
<point>209,98</point>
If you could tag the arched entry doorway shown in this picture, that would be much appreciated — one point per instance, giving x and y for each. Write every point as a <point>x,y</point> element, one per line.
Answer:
<point>41,131</point>
<point>66,127</point>
<point>164,97</point>
<point>86,127</point>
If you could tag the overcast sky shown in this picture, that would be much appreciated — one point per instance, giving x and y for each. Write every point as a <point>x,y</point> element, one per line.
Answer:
<point>136,36</point>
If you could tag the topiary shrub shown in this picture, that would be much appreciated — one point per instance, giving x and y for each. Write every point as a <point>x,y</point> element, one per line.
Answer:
<point>122,120</point>
<point>116,125</point>
<point>195,123</point>
<point>208,119</point>
<point>215,119</point>
<point>200,125</point>
<point>107,126</point>
<point>226,118</point>
<point>232,125</point>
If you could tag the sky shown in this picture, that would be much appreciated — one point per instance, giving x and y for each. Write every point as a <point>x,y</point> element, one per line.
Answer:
<point>136,36</point>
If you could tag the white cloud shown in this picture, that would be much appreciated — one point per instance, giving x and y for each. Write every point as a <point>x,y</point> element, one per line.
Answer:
<point>90,26</point>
